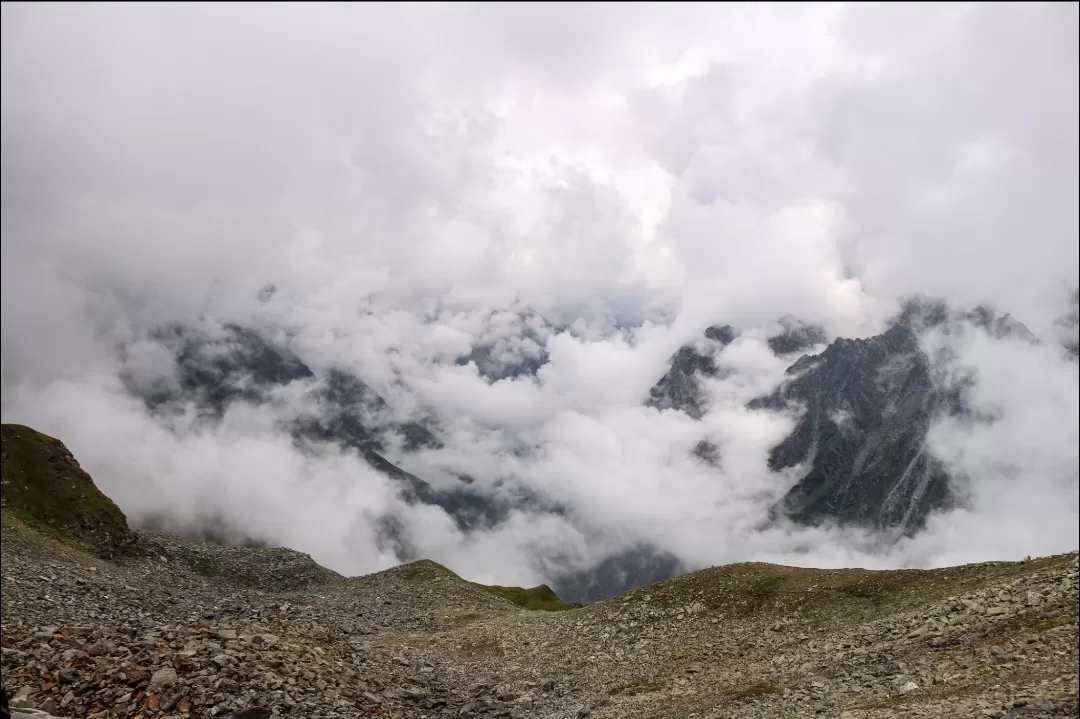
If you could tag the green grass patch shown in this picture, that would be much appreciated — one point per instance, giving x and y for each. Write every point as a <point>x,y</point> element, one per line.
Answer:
<point>639,685</point>
<point>43,485</point>
<point>753,690</point>
<point>541,598</point>
<point>1048,624</point>
<point>814,596</point>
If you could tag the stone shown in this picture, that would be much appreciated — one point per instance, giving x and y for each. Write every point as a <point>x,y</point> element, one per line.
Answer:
<point>21,698</point>
<point>252,713</point>
<point>163,678</point>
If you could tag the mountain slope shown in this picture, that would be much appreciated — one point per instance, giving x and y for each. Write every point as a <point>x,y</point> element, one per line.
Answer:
<point>680,387</point>
<point>236,364</point>
<point>540,597</point>
<point>864,410</point>
<point>867,410</point>
<point>42,484</point>
<point>216,367</point>
<point>178,627</point>
<point>867,406</point>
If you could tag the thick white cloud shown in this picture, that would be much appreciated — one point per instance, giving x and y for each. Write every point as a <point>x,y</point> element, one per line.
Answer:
<point>417,180</point>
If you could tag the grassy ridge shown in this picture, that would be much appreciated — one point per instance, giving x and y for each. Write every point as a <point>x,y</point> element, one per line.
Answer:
<point>538,598</point>
<point>43,485</point>
<point>541,598</point>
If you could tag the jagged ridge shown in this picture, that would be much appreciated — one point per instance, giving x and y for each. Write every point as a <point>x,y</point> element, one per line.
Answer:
<point>867,405</point>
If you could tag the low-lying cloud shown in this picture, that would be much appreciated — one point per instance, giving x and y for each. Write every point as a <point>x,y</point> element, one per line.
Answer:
<point>390,189</point>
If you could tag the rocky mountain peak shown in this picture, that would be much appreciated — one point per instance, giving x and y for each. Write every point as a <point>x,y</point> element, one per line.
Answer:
<point>681,387</point>
<point>796,336</point>
<point>866,407</point>
<point>724,334</point>
<point>921,313</point>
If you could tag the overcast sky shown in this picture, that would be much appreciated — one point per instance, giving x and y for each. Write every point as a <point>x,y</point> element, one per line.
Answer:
<point>414,179</point>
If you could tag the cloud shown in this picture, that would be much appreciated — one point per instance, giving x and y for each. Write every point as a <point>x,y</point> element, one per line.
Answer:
<point>590,186</point>
<point>1009,469</point>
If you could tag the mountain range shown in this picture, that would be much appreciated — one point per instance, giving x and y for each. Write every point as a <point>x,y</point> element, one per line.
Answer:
<point>859,445</point>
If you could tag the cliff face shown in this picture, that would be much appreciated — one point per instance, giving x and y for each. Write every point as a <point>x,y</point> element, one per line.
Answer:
<point>867,406</point>
<point>680,388</point>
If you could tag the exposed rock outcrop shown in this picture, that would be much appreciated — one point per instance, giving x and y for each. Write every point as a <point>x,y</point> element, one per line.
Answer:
<point>866,409</point>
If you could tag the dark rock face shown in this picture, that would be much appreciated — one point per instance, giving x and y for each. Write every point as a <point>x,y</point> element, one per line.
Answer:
<point>214,371</point>
<point>680,388</point>
<point>867,409</point>
<point>505,359</point>
<point>796,337</point>
<point>353,409</point>
<point>1069,327</point>
<point>707,452</point>
<point>724,334</point>
<point>1009,326</point>
<point>867,405</point>
<point>238,364</point>
<point>920,313</point>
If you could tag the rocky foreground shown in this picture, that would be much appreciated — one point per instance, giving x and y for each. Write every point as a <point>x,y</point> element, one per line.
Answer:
<point>156,626</point>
